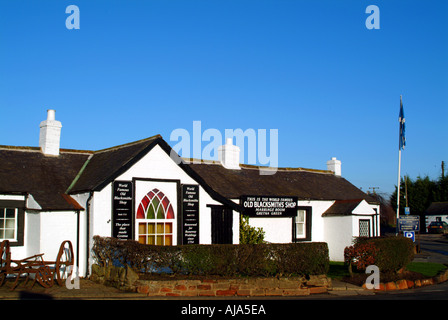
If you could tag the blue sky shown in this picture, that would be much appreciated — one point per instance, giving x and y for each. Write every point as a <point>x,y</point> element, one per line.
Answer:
<point>310,69</point>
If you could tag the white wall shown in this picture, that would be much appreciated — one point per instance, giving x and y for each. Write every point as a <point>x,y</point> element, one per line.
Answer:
<point>338,235</point>
<point>57,226</point>
<point>155,165</point>
<point>158,165</point>
<point>318,225</point>
<point>338,232</point>
<point>277,230</point>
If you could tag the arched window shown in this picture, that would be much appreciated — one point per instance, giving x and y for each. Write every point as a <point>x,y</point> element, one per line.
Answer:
<point>155,216</point>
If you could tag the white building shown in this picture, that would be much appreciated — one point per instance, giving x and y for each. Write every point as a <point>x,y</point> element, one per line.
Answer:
<point>436,212</point>
<point>138,191</point>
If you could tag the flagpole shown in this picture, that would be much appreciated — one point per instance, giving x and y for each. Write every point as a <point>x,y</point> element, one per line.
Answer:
<point>399,163</point>
<point>398,189</point>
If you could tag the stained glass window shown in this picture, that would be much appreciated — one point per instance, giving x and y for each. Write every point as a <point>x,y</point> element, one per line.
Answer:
<point>155,213</point>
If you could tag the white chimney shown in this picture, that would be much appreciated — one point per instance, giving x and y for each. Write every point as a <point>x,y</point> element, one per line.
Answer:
<point>335,166</point>
<point>50,134</point>
<point>229,155</point>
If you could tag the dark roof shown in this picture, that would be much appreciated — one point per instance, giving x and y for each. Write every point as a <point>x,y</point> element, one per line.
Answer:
<point>342,208</point>
<point>105,165</point>
<point>26,170</point>
<point>303,183</point>
<point>49,179</point>
<point>437,208</point>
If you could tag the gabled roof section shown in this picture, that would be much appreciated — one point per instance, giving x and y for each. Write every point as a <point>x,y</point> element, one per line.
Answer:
<point>26,170</point>
<point>349,207</point>
<point>107,164</point>
<point>342,208</point>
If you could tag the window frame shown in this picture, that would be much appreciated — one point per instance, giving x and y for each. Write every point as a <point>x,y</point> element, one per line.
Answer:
<point>4,228</point>
<point>19,207</point>
<point>307,224</point>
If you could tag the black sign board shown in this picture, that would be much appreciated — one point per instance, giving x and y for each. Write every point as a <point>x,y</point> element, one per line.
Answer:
<point>122,194</point>
<point>269,206</point>
<point>190,214</point>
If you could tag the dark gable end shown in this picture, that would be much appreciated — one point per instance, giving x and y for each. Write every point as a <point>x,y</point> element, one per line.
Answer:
<point>25,170</point>
<point>106,165</point>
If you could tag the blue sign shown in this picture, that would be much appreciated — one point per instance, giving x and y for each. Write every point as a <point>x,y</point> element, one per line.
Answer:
<point>407,210</point>
<point>409,223</point>
<point>410,234</point>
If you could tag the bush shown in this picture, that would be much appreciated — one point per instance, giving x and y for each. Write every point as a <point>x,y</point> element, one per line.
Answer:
<point>389,254</point>
<point>223,260</point>
<point>361,255</point>
<point>249,234</point>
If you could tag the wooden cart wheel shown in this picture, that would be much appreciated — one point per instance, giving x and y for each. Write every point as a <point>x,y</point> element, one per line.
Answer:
<point>45,277</point>
<point>64,262</point>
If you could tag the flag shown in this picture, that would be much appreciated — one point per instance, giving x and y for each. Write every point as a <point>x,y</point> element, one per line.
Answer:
<point>401,120</point>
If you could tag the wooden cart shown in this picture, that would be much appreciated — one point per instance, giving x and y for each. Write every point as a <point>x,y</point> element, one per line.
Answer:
<point>44,272</point>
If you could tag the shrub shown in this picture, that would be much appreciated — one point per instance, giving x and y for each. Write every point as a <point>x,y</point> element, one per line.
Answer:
<point>361,255</point>
<point>249,234</point>
<point>389,254</point>
<point>223,260</point>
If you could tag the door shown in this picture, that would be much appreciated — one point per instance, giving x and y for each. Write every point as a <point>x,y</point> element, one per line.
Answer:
<point>222,225</point>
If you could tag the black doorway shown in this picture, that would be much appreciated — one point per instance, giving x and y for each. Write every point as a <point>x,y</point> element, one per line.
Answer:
<point>222,223</point>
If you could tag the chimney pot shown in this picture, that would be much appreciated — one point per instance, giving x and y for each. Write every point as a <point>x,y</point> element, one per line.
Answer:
<point>51,114</point>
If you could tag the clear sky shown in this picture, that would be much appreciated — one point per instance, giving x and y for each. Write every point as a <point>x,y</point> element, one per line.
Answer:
<point>309,68</point>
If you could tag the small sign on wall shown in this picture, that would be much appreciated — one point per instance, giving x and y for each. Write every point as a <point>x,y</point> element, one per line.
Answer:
<point>122,194</point>
<point>190,214</point>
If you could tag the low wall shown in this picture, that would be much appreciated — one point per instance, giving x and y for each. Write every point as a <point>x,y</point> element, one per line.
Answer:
<point>126,279</point>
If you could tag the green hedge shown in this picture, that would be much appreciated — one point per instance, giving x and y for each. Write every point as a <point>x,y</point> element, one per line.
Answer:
<point>225,259</point>
<point>390,253</point>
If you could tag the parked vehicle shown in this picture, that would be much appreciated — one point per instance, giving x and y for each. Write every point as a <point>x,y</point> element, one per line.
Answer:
<point>438,227</point>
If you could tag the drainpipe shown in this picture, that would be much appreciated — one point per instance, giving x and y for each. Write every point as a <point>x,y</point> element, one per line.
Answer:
<point>88,232</point>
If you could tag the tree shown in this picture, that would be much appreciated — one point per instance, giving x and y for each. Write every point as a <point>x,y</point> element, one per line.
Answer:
<point>419,194</point>
<point>416,194</point>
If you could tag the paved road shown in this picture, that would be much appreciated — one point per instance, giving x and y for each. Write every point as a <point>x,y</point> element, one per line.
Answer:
<point>434,248</point>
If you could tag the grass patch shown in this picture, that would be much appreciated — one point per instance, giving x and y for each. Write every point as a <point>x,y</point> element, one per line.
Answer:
<point>414,270</point>
<point>337,270</point>
<point>427,269</point>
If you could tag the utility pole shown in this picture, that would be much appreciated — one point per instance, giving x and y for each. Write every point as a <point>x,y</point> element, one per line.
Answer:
<point>373,188</point>
<point>443,169</point>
